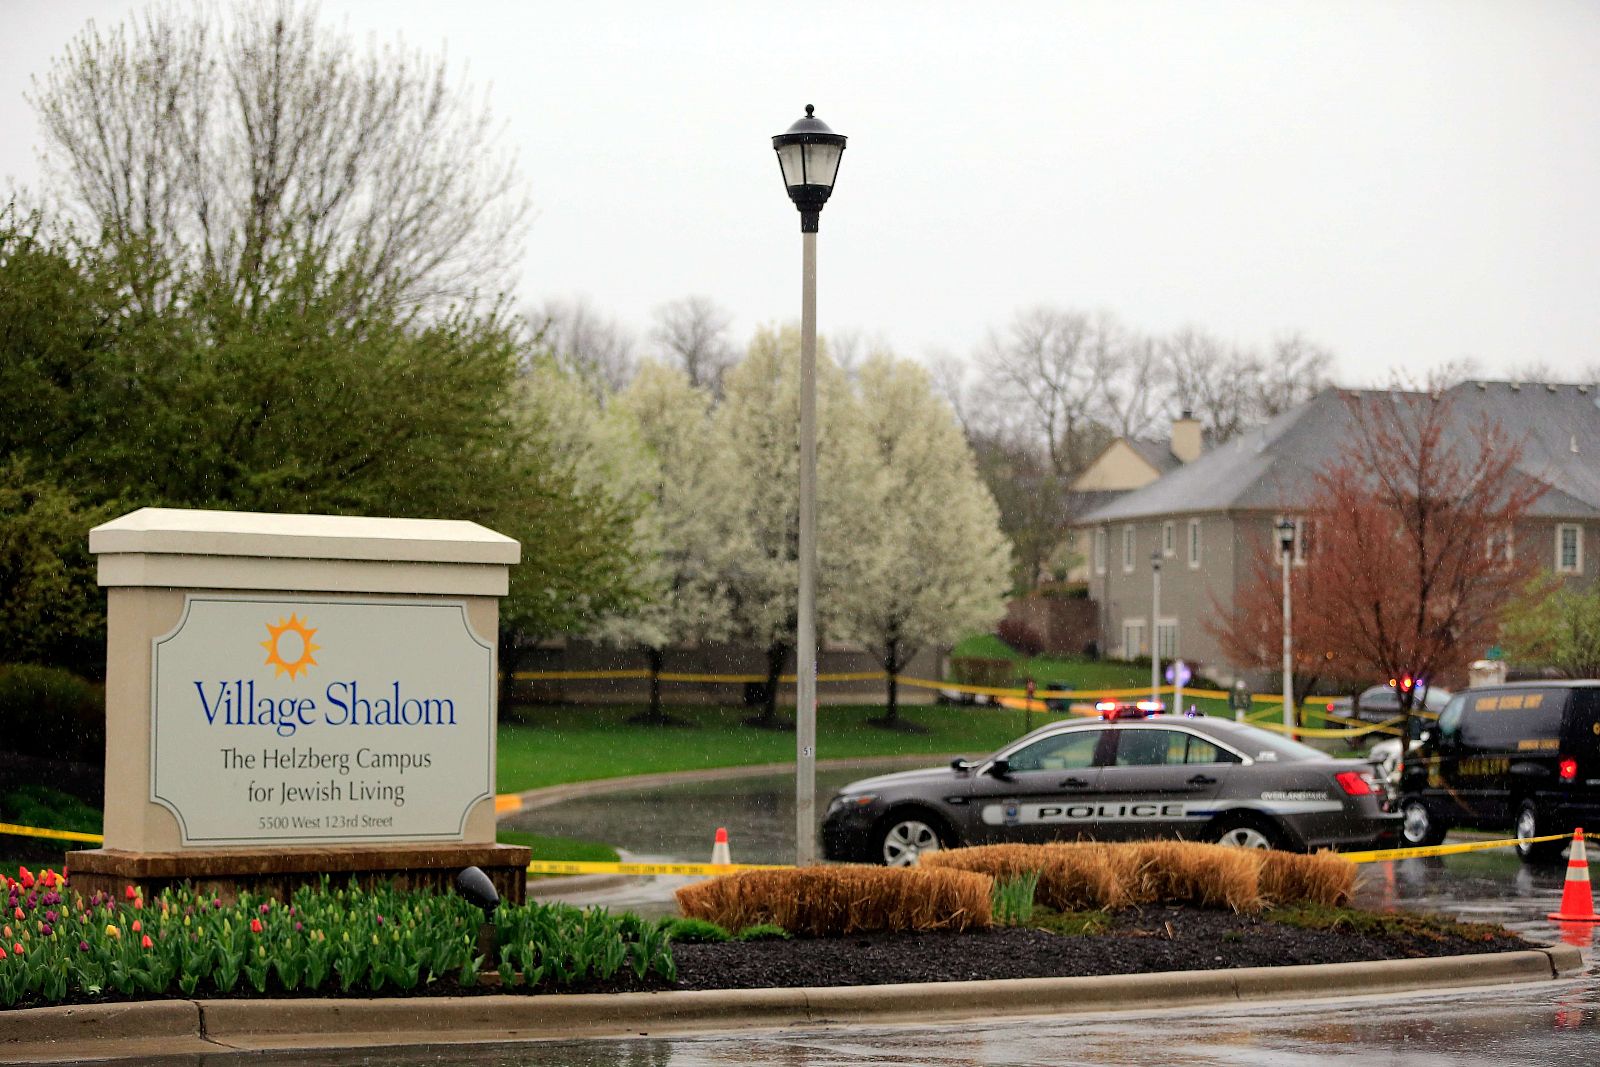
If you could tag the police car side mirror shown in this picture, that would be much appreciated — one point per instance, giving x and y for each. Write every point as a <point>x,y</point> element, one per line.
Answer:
<point>1000,768</point>
<point>961,763</point>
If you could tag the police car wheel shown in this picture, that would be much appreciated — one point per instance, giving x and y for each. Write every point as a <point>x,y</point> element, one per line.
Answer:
<point>1529,824</point>
<point>904,838</point>
<point>1246,833</point>
<point>1418,826</point>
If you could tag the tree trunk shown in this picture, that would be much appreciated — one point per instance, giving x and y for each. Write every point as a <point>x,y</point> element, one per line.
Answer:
<point>891,667</point>
<point>776,654</point>
<point>656,657</point>
<point>506,661</point>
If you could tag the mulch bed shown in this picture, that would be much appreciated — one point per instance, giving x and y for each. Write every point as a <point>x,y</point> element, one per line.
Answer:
<point>1150,939</point>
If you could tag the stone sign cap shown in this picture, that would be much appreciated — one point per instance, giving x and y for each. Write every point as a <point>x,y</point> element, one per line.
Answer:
<point>242,549</point>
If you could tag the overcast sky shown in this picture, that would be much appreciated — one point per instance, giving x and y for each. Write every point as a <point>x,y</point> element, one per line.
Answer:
<point>1406,184</point>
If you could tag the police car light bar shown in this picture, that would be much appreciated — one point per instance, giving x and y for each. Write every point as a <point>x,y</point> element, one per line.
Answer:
<point>1150,706</point>
<point>1105,705</point>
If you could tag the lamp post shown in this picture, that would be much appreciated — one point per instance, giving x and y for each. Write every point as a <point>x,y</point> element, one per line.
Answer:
<point>1155,626</point>
<point>1286,550</point>
<point>808,155</point>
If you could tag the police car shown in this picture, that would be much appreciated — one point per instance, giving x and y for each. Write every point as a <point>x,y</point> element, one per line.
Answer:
<point>1133,773</point>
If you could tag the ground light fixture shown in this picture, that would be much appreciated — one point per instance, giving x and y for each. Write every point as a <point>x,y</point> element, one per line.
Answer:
<point>480,892</point>
<point>808,156</point>
<point>1286,531</point>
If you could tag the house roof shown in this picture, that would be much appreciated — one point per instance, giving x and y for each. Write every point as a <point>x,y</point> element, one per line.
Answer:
<point>1271,467</point>
<point>1156,453</point>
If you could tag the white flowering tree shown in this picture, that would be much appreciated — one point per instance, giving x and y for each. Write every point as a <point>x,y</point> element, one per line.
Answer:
<point>756,445</point>
<point>684,600</point>
<point>934,564</point>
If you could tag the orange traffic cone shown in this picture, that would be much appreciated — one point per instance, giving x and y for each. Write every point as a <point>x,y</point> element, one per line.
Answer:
<point>719,848</point>
<point>1577,895</point>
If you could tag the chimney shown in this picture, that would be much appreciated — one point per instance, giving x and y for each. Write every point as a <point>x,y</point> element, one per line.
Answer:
<point>1186,442</point>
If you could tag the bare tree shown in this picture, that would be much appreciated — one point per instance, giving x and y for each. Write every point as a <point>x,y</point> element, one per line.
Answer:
<point>1046,381</point>
<point>693,331</point>
<point>1294,371</point>
<point>1218,383</point>
<point>229,138</point>
<point>597,348</point>
<point>1130,372</point>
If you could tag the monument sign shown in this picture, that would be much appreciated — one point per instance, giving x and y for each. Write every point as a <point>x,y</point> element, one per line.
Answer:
<point>293,695</point>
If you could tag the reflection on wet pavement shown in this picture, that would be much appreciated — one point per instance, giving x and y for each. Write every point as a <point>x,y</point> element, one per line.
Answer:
<point>1555,1025</point>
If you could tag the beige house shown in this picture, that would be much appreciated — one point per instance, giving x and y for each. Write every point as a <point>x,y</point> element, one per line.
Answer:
<point>1126,464</point>
<point>1205,519</point>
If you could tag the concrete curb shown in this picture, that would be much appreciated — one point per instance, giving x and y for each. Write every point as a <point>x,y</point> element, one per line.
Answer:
<point>111,1031</point>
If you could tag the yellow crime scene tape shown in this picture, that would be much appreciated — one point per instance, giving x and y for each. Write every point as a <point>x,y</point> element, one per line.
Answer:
<point>1382,854</point>
<point>601,867</point>
<point>63,835</point>
<point>693,869</point>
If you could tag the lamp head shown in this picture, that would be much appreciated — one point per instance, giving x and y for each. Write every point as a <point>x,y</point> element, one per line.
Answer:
<point>808,155</point>
<point>1286,535</point>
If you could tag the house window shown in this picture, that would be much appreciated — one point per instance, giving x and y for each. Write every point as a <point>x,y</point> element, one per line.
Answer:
<point>1133,638</point>
<point>1100,550</point>
<point>1569,548</point>
<point>1194,542</point>
<point>1169,540</point>
<point>1501,548</point>
<point>1167,638</point>
<point>1127,550</point>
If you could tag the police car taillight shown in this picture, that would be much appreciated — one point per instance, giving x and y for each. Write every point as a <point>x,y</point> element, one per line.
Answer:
<point>1354,783</point>
<point>1568,768</point>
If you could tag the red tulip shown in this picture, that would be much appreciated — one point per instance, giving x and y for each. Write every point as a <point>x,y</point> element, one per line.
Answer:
<point>145,942</point>
<point>255,926</point>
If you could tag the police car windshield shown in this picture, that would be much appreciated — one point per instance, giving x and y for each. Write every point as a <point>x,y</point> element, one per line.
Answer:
<point>1263,745</point>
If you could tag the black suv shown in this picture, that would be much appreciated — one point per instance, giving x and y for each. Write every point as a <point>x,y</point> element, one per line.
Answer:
<point>1523,757</point>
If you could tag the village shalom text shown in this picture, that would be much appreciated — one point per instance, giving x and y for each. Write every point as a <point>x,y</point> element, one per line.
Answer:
<point>235,703</point>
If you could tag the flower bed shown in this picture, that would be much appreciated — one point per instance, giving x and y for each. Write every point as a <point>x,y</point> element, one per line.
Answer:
<point>59,946</point>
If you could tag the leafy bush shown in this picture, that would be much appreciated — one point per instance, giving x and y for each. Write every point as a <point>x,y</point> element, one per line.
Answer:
<point>557,946</point>
<point>52,713</point>
<point>59,945</point>
<point>40,805</point>
<point>1020,636</point>
<point>763,932</point>
<point>835,901</point>
<point>694,931</point>
<point>1012,899</point>
<point>978,670</point>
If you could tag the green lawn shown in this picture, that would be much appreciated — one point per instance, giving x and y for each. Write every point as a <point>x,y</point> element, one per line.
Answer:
<point>1071,671</point>
<point>559,848</point>
<point>573,744</point>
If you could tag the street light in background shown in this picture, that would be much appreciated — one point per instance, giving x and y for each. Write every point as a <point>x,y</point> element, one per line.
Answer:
<point>1155,626</point>
<point>808,155</point>
<point>1286,550</point>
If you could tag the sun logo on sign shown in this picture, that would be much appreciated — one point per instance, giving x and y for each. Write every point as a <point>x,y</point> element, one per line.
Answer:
<point>275,656</point>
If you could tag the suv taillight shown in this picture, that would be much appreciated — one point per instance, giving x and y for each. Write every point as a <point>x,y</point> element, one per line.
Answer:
<point>1568,768</point>
<point>1354,783</point>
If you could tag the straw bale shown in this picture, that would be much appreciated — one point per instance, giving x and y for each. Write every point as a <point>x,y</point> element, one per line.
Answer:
<point>1320,878</point>
<point>1189,872</point>
<point>1072,877</point>
<point>837,901</point>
